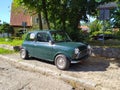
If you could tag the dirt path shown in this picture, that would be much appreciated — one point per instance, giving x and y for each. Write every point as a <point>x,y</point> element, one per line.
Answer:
<point>12,78</point>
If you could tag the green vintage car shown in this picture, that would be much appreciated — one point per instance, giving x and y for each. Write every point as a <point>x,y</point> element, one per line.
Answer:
<point>55,46</point>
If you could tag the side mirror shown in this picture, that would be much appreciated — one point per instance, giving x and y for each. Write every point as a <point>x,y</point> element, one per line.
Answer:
<point>51,42</point>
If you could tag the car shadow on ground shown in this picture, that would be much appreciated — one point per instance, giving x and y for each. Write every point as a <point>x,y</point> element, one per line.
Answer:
<point>92,64</point>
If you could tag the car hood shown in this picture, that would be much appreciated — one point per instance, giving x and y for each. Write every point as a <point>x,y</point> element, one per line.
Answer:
<point>72,45</point>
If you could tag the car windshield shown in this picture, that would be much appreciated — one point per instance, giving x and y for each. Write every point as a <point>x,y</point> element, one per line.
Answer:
<point>60,36</point>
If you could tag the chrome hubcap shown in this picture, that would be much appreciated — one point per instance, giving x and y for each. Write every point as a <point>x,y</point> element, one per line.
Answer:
<point>23,53</point>
<point>61,62</point>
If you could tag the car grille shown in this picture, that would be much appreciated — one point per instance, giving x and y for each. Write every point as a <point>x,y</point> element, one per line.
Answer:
<point>83,52</point>
<point>82,48</point>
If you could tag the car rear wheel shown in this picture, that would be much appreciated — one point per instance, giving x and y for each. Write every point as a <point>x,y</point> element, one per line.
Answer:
<point>62,62</point>
<point>24,54</point>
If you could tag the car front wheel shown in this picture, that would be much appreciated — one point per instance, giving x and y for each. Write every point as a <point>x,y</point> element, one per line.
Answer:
<point>62,62</point>
<point>24,54</point>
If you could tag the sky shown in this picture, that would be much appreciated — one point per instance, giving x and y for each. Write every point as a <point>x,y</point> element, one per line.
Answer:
<point>5,8</point>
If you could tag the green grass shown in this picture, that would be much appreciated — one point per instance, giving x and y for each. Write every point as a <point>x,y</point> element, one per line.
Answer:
<point>14,42</point>
<point>6,51</point>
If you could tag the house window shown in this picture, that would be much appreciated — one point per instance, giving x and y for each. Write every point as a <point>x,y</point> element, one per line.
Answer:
<point>24,24</point>
<point>43,21</point>
<point>36,20</point>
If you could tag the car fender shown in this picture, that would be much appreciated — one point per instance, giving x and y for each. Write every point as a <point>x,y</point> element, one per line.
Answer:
<point>63,53</point>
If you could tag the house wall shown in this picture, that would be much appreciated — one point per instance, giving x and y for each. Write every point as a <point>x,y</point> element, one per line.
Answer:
<point>19,16</point>
<point>35,22</point>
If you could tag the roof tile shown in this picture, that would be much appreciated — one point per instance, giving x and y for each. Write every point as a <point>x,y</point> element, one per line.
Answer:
<point>18,16</point>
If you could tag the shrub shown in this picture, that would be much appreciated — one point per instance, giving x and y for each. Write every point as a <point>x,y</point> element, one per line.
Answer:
<point>117,35</point>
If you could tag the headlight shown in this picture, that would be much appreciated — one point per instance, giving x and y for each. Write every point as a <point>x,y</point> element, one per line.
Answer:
<point>76,50</point>
<point>89,47</point>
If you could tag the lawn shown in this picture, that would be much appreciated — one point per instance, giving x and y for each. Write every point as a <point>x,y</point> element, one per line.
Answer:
<point>6,51</point>
<point>14,42</point>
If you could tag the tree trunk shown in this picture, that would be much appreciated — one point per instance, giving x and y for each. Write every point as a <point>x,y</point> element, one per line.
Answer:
<point>40,21</point>
<point>45,13</point>
<point>64,15</point>
<point>64,24</point>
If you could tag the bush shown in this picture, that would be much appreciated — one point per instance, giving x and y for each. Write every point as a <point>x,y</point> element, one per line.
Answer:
<point>23,36</point>
<point>2,39</point>
<point>6,39</point>
<point>78,35</point>
<point>117,35</point>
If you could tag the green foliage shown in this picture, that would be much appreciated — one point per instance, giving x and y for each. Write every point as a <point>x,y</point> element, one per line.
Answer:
<point>108,32</point>
<point>117,35</point>
<point>33,7</point>
<point>101,32</point>
<point>116,16</point>
<point>6,28</point>
<point>14,42</point>
<point>96,33</point>
<point>5,51</point>
<point>23,36</point>
<point>63,14</point>
<point>95,26</point>
<point>75,35</point>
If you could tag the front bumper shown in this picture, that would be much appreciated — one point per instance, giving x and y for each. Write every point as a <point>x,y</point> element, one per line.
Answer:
<point>73,61</point>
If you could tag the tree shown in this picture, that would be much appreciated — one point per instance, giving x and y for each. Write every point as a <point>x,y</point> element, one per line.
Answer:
<point>63,14</point>
<point>95,26</point>
<point>35,7</point>
<point>6,28</point>
<point>116,16</point>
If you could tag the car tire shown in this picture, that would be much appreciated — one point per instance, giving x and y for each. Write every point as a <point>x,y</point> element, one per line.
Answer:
<point>24,54</point>
<point>62,62</point>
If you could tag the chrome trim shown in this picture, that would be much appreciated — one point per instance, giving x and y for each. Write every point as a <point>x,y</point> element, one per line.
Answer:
<point>74,62</point>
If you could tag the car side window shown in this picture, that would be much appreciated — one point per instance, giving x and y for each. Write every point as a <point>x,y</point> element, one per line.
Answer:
<point>43,37</point>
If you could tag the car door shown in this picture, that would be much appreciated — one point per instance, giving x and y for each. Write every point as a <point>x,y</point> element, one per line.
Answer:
<point>28,43</point>
<point>42,48</point>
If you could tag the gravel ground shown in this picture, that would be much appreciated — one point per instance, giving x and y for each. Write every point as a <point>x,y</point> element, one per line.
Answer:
<point>12,78</point>
<point>103,72</point>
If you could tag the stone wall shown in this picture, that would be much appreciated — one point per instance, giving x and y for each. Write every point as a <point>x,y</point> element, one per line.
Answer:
<point>106,52</point>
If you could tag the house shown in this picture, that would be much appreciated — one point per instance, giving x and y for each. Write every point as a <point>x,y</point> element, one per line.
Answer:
<point>21,20</point>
